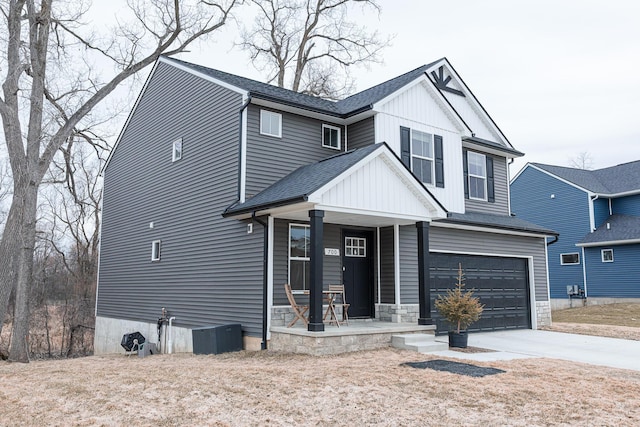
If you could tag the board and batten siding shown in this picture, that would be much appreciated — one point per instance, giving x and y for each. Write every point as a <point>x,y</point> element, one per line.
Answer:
<point>471,116</point>
<point>361,134</point>
<point>546,201</point>
<point>501,187</point>
<point>468,242</point>
<point>210,269</point>
<point>387,267</point>
<point>270,158</point>
<point>617,279</point>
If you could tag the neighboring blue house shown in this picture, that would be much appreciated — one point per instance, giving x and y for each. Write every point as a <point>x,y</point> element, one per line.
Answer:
<point>597,214</point>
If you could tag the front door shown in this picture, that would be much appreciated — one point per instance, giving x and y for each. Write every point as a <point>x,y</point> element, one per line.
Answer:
<point>357,275</point>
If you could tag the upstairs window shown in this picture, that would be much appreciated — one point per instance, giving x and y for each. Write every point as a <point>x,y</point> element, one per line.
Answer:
<point>422,156</point>
<point>270,123</point>
<point>177,150</point>
<point>299,256</point>
<point>607,255</point>
<point>331,137</point>
<point>477,167</point>
<point>569,259</point>
<point>155,250</point>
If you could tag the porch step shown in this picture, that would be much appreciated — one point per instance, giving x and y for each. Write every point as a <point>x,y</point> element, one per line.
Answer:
<point>422,343</point>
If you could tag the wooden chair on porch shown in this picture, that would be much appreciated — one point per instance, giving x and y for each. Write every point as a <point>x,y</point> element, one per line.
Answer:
<point>338,294</point>
<point>299,311</point>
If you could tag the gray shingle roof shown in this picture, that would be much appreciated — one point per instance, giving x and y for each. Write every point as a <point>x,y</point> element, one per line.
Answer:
<point>621,228</point>
<point>344,108</point>
<point>496,221</point>
<point>300,183</point>
<point>612,180</point>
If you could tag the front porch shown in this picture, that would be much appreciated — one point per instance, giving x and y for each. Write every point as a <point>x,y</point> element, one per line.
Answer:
<point>359,335</point>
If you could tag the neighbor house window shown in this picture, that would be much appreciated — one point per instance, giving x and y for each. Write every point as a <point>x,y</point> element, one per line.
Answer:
<point>177,150</point>
<point>568,259</point>
<point>331,137</point>
<point>155,250</point>
<point>299,257</point>
<point>422,156</point>
<point>477,167</point>
<point>270,123</point>
<point>607,255</point>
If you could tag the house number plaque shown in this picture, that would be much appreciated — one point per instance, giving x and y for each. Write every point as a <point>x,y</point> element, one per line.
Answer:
<point>332,251</point>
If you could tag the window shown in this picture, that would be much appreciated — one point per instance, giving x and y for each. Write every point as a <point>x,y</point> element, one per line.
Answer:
<point>299,261</point>
<point>270,123</point>
<point>422,156</point>
<point>177,150</point>
<point>355,247</point>
<point>568,259</point>
<point>477,166</point>
<point>155,250</point>
<point>607,255</point>
<point>331,137</point>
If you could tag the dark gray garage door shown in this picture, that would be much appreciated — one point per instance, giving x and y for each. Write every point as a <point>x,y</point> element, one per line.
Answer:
<point>502,284</point>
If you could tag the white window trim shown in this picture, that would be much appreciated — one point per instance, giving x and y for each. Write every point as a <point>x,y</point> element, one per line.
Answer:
<point>339,137</point>
<point>484,178</point>
<point>602,255</point>
<point>290,258</point>
<point>358,246</point>
<point>570,263</point>
<point>268,112</point>
<point>431,159</point>
<point>156,248</point>
<point>174,151</point>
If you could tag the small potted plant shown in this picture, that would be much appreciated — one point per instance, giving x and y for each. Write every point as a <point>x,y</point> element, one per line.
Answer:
<point>461,309</point>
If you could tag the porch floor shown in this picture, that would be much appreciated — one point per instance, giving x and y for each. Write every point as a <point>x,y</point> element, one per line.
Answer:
<point>358,335</point>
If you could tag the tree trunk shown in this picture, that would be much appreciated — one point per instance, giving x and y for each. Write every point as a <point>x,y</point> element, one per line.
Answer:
<point>19,351</point>
<point>8,257</point>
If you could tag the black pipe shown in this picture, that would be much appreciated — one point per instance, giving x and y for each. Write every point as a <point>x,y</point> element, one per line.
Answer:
<point>265,262</point>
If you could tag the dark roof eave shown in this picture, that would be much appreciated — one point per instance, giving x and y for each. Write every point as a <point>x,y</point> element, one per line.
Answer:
<point>489,144</point>
<point>274,99</point>
<point>501,227</point>
<point>231,212</point>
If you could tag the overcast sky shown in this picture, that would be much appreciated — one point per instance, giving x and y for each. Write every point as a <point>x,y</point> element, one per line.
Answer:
<point>558,77</point>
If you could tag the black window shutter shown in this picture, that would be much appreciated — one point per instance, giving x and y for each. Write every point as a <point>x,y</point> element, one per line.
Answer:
<point>437,139</point>
<point>405,146</point>
<point>491,192</point>
<point>465,168</point>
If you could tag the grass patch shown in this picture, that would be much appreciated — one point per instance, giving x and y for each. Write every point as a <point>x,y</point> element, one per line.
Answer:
<point>624,314</point>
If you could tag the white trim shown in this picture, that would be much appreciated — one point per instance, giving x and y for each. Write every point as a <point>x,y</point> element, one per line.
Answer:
<point>98,272</point>
<point>506,162</point>
<point>592,215</point>
<point>270,224</point>
<point>336,128</point>
<point>396,263</point>
<point>569,263</point>
<point>294,224</point>
<point>532,294</point>
<point>487,229</point>
<point>346,141</point>
<point>431,159</point>
<point>204,76</point>
<point>243,153</point>
<point>553,176</point>
<point>378,262</point>
<point>401,217</point>
<point>584,273</point>
<point>176,154</point>
<point>602,251</point>
<point>609,243</point>
<point>485,178</point>
<point>546,266</point>
<point>264,113</point>
<point>156,253</point>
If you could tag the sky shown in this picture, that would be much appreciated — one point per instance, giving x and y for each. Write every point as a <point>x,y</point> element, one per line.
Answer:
<point>558,77</point>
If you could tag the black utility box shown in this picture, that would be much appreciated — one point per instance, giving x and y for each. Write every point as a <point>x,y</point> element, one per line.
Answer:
<point>217,339</point>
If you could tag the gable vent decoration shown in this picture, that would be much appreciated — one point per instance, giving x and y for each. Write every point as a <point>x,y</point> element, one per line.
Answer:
<point>441,81</point>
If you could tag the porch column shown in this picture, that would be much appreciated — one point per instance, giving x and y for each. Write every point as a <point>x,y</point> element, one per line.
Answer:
<point>424,282</point>
<point>316,261</point>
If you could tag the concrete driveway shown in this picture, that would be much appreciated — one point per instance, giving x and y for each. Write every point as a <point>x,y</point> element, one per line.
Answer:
<point>613,352</point>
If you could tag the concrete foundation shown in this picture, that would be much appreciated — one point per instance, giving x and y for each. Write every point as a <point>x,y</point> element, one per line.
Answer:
<point>562,303</point>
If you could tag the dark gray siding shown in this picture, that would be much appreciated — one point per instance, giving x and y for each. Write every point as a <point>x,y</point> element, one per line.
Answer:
<point>361,134</point>
<point>332,271</point>
<point>464,241</point>
<point>270,158</point>
<point>387,267</point>
<point>210,270</point>
<point>501,181</point>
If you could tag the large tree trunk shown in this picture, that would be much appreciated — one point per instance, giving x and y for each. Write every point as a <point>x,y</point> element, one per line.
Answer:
<point>9,258</point>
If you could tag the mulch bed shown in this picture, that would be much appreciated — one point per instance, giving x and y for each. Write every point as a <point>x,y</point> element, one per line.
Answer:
<point>455,367</point>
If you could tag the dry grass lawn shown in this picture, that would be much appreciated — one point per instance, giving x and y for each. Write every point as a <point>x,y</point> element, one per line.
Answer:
<point>365,388</point>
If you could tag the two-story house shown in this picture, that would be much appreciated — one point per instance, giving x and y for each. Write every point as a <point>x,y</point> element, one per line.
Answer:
<point>221,189</point>
<point>597,213</point>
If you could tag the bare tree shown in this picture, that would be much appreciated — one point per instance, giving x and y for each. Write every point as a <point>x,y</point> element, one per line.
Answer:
<point>50,87</point>
<point>582,161</point>
<point>5,193</point>
<point>309,45</point>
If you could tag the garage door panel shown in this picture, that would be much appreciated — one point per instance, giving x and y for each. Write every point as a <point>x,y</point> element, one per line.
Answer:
<point>501,284</point>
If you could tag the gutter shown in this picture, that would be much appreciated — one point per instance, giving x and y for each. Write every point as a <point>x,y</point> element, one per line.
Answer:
<point>240,114</point>
<point>265,246</point>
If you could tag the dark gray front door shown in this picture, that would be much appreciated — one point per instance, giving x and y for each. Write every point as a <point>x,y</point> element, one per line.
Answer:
<point>357,275</point>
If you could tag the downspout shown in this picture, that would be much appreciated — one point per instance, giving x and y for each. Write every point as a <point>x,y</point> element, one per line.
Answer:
<point>240,147</point>
<point>265,262</point>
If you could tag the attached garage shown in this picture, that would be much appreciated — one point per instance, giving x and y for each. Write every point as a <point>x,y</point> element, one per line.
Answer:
<point>501,283</point>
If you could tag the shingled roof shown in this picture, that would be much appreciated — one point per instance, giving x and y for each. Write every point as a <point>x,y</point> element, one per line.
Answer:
<point>612,180</point>
<point>617,228</point>
<point>505,222</point>
<point>349,106</point>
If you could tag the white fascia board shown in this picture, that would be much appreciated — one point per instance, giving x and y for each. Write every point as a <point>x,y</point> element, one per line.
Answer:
<point>617,195</point>
<point>207,77</point>
<point>472,252</point>
<point>297,110</point>
<point>559,179</point>
<point>401,219</point>
<point>519,173</point>
<point>438,96</point>
<point>486,149</point>
<point>392,161</point>
<point>474,101</point>
<point>487,229</point>
<point>609,243</point>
